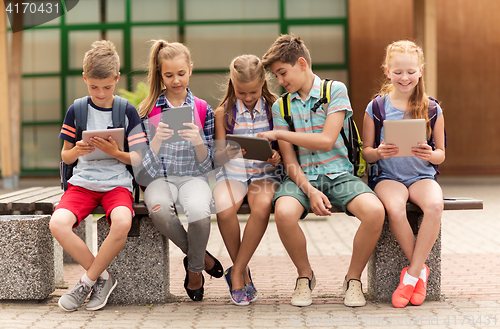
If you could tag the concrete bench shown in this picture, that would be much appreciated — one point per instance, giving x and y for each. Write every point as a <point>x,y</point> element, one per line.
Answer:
<point>387,261</point>
<point>26,258</point>
<point>147,250</point>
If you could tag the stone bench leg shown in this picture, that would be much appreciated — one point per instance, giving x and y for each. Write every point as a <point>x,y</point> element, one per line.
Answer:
<point>388,259</point>
<point>26,257</point>
<point>141,268</point>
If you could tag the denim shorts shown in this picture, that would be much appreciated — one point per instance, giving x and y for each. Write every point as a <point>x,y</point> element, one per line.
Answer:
<point>406,183</point>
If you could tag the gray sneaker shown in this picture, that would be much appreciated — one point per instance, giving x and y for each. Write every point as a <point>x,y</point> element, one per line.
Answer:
<point>72,300</point>
<point>100,293</point>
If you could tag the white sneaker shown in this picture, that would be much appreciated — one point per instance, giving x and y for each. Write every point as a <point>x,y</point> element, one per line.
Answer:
<point>353,291</point>
<point>303,288</point>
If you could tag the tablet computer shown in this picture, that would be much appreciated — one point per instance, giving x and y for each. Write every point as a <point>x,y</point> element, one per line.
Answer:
<point>175,117</point>
<point>116,133</point>
<point>256,148</point>
<point>405,134</point>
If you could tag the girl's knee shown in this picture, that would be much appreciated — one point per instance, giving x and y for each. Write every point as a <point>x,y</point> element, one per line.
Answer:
<point>435,208</point>
<point>397,214</point>
<point>199,213</point>
<point>262,212</point>
<point>226,216</point>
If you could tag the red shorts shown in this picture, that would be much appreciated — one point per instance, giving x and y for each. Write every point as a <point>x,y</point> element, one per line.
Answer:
<point>81,202</point>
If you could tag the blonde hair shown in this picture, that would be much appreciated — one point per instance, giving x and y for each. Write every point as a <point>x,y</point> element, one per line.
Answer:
<point>288,48</point>
<point>161,50</point>
<point>418,103</point>
<point>245,69</point>
<point>102,61</point>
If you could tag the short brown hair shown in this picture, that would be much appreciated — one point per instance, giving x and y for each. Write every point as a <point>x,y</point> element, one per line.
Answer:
<point>288,48</point>
<point>102,61</point>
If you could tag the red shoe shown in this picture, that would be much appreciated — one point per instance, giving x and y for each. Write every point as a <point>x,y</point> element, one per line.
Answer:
<point>420,291</point>
<point>403,293</point>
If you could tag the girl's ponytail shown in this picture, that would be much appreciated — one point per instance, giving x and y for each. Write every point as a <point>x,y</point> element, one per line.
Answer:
<point>155,81</point>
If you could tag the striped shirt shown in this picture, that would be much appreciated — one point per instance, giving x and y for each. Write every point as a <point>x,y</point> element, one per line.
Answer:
<point>246,169</point>
<point>331,163</point>
<point>179,158</point>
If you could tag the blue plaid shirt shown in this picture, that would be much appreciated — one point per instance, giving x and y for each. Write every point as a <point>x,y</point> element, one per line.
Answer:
<point>179,158</point>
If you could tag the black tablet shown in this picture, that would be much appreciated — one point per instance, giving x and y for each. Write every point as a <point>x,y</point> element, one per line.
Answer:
<point>175,117</point>
<point>256,148</point>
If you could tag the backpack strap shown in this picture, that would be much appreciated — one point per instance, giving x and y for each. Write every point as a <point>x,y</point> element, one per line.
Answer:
<point>378,118</point>
<point>269,116</point>
<point>119,112</point>
<point>230,125</point>
<point>118,115</point>
<point>200,112</point>
<point>81,111</point>
<point>378,110</point>
<point>284,103</point>
<point>325,95</point>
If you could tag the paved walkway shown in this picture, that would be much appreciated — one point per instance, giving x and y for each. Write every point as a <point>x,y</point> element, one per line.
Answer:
<point>470,273</point>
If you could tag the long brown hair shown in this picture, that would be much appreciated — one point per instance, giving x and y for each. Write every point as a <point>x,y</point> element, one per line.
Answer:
<point>245,69</point>
<point>160,51</point>
<point>418,103</point>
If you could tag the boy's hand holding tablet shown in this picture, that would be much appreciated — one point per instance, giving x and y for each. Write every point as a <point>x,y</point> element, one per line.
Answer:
<point>103,143</point>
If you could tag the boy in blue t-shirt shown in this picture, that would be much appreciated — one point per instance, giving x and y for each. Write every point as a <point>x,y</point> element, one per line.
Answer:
<point>105,182</point>
<point>319,175</point>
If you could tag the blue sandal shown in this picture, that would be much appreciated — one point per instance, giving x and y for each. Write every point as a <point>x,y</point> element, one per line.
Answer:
<point>239,296</point>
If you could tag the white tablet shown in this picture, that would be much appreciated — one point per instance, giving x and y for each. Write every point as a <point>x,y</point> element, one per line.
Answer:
<point>117,134</point>
<point>255,148</point>
<point>405,134</point>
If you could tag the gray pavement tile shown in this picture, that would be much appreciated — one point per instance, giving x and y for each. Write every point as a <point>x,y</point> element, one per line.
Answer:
<point>471,267</point>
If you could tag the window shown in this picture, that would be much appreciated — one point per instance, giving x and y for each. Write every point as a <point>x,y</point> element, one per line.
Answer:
<point>214,31</point>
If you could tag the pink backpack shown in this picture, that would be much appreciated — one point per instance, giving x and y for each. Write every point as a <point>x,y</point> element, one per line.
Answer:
<point>200,114</point>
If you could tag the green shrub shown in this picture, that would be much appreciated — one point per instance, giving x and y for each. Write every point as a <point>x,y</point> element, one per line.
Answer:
<point>135,98</point>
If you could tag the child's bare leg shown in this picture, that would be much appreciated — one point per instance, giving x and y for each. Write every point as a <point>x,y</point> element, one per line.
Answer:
<point>287,215</point>
<point>260,195</point>
<point>370,211</point>
<point>426,194</point>
<point>61,226</point>
<point>121,220</point>
<point>228,196</point>
<point>394,196</point>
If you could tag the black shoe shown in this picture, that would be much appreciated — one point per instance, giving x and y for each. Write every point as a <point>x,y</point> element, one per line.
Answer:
<point>196,294</point>
<point>216,271</point>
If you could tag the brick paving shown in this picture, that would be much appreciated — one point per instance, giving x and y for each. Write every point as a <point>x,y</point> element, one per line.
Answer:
<point>470,288</point>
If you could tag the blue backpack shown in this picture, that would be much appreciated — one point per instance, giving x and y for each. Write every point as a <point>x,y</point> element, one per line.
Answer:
<point>378,119</point>
<point>81,111</point>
